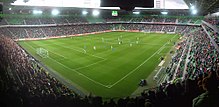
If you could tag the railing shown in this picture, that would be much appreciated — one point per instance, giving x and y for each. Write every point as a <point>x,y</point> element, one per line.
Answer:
<point>212,40</point>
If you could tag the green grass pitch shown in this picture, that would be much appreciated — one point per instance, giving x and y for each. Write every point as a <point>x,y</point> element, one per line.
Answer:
<point>107,64</point>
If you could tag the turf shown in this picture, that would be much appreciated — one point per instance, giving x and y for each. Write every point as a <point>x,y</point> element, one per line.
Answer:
<point>113,69</point>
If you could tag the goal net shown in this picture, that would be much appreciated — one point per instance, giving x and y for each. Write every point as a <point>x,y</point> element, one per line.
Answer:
<point>42,52</point>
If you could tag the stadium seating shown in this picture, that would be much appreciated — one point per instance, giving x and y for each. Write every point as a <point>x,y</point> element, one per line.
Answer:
<point>169,28</point>
<point>25,83</point>
<point>15,20</point>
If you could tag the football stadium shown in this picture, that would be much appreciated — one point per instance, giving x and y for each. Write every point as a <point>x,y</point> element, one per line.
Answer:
<point>105,53</point>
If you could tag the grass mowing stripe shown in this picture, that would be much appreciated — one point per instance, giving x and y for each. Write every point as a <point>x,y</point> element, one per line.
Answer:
<point>74,70</point>
<point>96,75</point>
<point>80,73</point>
<point>90,65</point>
<point>80,51</point>
<point>48,50</point>
<point>137,67</point>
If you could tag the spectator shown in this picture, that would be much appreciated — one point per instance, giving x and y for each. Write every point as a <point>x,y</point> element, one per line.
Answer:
<point>211,95</point>
<point>28,84</point>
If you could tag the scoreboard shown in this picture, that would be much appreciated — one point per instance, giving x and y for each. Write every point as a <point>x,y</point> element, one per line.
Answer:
<point>114,13</point>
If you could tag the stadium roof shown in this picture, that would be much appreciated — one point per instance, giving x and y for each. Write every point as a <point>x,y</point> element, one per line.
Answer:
<point>78,11</point>
<point>204,6</point>
<point>164,4</point>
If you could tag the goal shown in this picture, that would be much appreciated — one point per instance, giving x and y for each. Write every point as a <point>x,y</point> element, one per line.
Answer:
<point>42,52</point>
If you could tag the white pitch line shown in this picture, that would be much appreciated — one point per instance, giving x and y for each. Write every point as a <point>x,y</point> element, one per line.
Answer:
<point>30,46</point>
<point>135,68</point>
<point>160,50</point>
<point>139,65</point>
<point>49,51</point>
<point>81,51</point>
<point>80,74</point>
<point>150,44</point>
<point>58,54</point>
<point>108,86</point>
<point>64,44</point>
<point>165,44</point>
<point>134,42</point>
<point>75,71</point>
<point>89,65</point>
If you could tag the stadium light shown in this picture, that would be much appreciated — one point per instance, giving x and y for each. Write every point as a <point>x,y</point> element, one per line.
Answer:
<point>37,12</point>
<point>96,13</point>
<point>84,12</point>
<point>194,12</point>
<point>192,7</point>
<point>136,12</point>
<point>216,14</point>
<point>55,12</point>
<point>164,13</point>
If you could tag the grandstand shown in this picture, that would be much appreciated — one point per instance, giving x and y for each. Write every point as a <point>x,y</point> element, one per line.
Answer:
<point>77,57</point>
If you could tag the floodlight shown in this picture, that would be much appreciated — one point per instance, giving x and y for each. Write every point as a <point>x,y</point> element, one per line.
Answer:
<point>216,14</point>
<point>37,12</point>
<point>9,9</point>
<point>136,12</point>
<point>164,13</point>
<point>194,12</point>
<point>55,12</point>
<point>192,7</point>
<point>96,13</point>
<point>84,12</point>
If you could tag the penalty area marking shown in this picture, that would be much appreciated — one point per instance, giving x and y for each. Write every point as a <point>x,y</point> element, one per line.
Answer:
<point>81,51</point>
<point>107,86</point>
<point>48,50</point>
<point>89,65</point>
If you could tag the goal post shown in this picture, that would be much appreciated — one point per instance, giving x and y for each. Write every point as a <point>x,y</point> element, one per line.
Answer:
<point>42,52</point>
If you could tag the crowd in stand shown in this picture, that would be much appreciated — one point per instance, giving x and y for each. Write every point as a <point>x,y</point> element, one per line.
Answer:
<point>213,34</point>
<point>161,20</point>
<point>203,57</point>
<point>156,28</point>
<point>32,21</point>
<point>131,26</point>
<point>181,29</point>
<point>183,20</point>
<point>25,83</point>
<point>147,28</point>
<point>82,19</point>
<point>195,56</point>
<point>42,20</point>
<point>169,28</point>
<point>49,31</point>
<point>175,59</point>
<point>147,19</point>
<point>213,20</point>
<point>65,30</point>
<point>170,20</point>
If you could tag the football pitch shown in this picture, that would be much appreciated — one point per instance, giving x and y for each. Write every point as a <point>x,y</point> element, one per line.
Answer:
<point>106,64</point>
